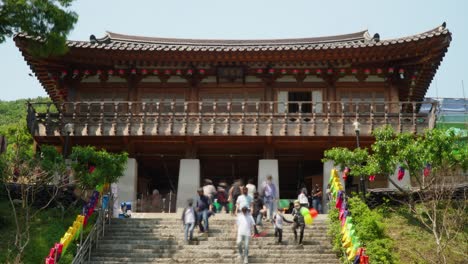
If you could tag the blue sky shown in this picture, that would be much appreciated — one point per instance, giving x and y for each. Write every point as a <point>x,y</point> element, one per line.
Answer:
<point>259,19</point>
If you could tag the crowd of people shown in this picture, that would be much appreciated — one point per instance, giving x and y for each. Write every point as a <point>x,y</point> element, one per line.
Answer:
<point>250,206</point>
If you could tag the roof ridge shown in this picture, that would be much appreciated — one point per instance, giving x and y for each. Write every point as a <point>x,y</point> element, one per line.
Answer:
<point>357,36</point>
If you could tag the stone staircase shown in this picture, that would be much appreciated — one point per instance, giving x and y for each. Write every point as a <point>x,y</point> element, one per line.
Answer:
<point>158,238</point>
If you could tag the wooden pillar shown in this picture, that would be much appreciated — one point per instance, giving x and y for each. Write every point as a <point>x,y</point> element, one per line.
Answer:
<point>193,97</point>
<point>269,149</point>
<point>190,149</point>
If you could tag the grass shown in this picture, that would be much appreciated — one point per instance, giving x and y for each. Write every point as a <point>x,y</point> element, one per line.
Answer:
<point>415,244</point>
<point>46,229</point>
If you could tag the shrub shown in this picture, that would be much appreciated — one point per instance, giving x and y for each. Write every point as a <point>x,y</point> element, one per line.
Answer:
<point>369,228</point>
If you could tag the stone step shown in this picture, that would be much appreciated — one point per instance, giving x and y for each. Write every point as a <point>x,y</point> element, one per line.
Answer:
<point>161,240</point>
<point>172,261</point>
<point>218,260</point>
<point>209,246</point>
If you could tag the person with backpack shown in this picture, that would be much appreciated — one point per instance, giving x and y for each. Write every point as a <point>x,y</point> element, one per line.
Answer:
<point>202,208</point>
<point>222,197</point>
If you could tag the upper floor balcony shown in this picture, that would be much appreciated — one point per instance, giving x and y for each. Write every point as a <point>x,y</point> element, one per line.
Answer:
<point>223,118</point>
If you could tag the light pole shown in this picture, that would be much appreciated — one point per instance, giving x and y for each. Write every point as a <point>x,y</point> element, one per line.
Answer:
<point>68,130</point>
<point>357,129</point>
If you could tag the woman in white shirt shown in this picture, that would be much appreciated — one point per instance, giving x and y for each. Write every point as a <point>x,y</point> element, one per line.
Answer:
<point>303,200</point>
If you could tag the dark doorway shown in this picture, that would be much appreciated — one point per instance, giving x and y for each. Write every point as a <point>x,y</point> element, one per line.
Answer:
<point>228,168</point>
<point>295,173</point>
<point>157,183</point>
<point>300,97</point>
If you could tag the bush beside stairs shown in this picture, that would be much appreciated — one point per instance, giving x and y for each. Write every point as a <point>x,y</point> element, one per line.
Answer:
<point>159,238</point>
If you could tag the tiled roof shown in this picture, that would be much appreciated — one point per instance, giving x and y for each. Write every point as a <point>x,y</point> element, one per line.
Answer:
<point>114,41</point>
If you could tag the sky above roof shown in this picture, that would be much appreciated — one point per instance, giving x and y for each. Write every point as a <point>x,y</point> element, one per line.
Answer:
<point>259,19</point>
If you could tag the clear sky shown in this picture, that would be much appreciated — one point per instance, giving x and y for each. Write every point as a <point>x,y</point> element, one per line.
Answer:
<point>259,19</point>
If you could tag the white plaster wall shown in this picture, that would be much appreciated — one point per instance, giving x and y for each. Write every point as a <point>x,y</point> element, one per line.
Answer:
<point>268,167</point>
<point>189,181</point>
<point>127,184</point>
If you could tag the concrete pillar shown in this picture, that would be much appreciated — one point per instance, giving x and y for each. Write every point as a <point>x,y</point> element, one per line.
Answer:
<point>405,183</point>
<point>189,181</point>
<point>127,184</point>
<point>268,167</point>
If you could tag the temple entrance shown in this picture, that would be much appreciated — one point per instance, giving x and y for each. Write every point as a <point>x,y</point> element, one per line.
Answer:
<point>229,168</point>
<point>157,183</point>
<point>295,173</point>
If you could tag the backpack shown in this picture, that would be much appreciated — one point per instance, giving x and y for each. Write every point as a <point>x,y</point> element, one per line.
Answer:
<point>222,197</point>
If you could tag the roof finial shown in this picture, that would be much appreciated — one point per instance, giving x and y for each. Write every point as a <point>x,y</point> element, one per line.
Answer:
<point>93,39</point>
<point>443,26</point>
<point>376,37</point>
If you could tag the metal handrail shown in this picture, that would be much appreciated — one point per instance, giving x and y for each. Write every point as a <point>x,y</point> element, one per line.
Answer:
<point>97,231</point>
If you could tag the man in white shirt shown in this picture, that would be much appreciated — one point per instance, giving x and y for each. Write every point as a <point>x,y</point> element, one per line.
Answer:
<point>251,188</point>
<point>244,201</point>
<point>245,222</point>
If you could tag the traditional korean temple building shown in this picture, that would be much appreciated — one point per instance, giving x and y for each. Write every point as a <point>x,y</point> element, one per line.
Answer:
<point>188,109</point>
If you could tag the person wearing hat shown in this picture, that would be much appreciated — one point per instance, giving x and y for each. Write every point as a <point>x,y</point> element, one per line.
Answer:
<point>209,190</point>
<point>299,222</point>
<point>188,219</point>
<point>202,208</point>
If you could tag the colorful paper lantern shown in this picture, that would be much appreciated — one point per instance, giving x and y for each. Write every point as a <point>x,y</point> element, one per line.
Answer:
<point>401,173</point>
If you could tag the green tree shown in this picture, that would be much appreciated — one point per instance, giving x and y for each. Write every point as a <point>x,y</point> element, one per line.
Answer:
<point>434,207</point>
<point>49,19</point>
<point>94,167</point>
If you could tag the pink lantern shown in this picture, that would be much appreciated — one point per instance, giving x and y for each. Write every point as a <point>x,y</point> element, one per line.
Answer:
<point>318,71</point>
<point>155,72</point>
<point>306,71</point>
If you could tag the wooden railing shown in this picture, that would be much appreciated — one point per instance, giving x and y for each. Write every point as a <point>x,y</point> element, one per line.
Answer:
<point>235,118</point>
